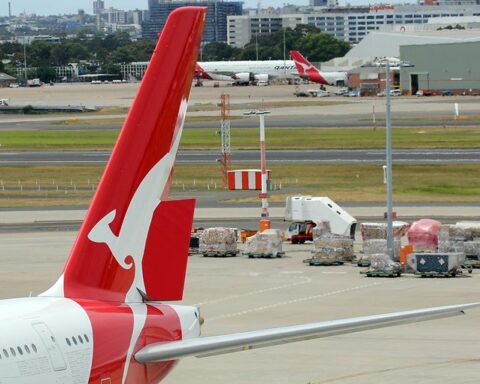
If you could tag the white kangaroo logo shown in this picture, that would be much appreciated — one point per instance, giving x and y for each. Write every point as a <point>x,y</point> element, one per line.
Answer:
<point>132,238</point>
<point>306,67</point>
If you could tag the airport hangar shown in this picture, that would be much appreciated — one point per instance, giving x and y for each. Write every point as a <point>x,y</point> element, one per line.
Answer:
<point>440,67</point>
<point>432,59</point>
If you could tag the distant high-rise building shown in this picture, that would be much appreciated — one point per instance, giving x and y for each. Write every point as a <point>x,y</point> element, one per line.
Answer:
<point>116,16</point>
<point>81,16</point>
<point>98,7</point>
<point>318,3</point>
<point>215,24</point>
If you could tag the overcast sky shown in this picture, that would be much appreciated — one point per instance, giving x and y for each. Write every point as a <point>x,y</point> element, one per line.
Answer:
<point>55,7</point>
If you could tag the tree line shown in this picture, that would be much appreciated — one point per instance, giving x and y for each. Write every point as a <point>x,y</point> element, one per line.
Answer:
<point>106,53</point>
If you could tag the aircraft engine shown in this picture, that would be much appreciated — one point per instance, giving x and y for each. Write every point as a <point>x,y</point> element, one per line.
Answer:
<point>263,77</point>
<point>243,78</point>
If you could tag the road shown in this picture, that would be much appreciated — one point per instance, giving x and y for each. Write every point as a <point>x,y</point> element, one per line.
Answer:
<point>279,120</point>
<point>367,156</point>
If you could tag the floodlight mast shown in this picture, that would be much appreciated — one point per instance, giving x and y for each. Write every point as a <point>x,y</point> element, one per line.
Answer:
<point>389,178</point>
<point>264,216</point>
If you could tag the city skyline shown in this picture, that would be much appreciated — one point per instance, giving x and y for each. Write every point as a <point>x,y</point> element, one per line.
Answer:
<point>56,7</point>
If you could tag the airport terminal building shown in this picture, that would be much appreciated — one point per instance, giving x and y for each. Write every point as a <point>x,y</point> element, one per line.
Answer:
<point>345,23</point>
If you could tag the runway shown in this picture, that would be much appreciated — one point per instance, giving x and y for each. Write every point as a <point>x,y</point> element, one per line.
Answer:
<point>248,157</point>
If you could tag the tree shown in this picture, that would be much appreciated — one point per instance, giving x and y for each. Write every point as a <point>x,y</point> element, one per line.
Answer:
<point>111,69</point>
<point>46,74</point>
<point>216,51</point>
<point>322,47</point>
<point>39,53</point>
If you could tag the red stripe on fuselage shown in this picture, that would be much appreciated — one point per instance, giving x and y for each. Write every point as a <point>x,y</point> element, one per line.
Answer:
<point>112,326</point>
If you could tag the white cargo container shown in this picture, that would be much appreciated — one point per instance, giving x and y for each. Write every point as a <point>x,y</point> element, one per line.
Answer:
<point>308,208</point>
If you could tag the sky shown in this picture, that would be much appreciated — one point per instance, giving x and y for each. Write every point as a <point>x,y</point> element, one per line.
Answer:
<point>55,7</point>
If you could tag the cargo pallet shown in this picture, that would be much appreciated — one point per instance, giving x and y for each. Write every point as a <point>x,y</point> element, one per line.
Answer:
<point>362,263</point>
<point>320,262</point>
<point>454,273</point>
<point>473,261</point>
<point>264,255</point>
<point>381,274</point>
<point>219,254</point>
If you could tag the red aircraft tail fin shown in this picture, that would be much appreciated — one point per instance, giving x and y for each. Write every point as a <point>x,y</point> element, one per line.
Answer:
<point>130,233</point>
<point>305,69</point>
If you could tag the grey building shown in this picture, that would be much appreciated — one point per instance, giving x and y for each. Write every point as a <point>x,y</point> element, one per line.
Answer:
<point>348,23</point>
<point>438,67</point>
<point>215,24</point>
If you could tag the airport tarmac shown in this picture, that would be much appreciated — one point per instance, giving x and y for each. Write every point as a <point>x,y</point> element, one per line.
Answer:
<point>121,95</point>
<point>240,294</point>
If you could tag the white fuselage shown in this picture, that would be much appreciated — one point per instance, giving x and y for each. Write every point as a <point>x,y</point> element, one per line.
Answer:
<point>278,69</point>
<point>33,341</point>
<point>52,340</point>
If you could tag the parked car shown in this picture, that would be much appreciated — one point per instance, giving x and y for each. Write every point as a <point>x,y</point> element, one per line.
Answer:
<point>447,92</point>
<point>302,94</point>
<point>341,91</point>
<point>382,94</point>
<point>318,93</point>
<point>424,92</point>
<point>395,92</point>
<point>352,94</point>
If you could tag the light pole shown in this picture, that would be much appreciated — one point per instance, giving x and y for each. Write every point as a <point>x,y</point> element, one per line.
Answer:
<point>25,58</point>
<point>389,180</point>
<point>264,216</point>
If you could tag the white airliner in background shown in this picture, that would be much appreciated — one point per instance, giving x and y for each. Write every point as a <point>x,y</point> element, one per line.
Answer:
<point>307,71</point>
<point>105,320</point>
<point>246,72</point>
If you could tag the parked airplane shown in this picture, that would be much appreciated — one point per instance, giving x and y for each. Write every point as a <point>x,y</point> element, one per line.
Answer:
<point>246,72</point>
<point>104,320</point>
<point>307,71</point>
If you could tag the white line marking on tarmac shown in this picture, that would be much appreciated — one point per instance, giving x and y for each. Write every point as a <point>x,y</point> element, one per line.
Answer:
<point>305,280</point>
<point>294,301</point>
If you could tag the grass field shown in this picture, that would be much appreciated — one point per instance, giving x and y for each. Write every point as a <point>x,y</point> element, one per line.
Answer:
<point>74,185</point>
<point>247,138</point>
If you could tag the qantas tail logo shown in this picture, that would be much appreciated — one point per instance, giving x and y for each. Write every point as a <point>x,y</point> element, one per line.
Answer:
<point>128,248</point>
<point>302,64</point>
<point>133,243</point>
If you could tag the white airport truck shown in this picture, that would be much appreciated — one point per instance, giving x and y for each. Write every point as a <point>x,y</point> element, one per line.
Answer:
<point>305,211</point>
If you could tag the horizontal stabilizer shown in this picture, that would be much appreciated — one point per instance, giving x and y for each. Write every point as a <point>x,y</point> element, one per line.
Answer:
<point>165,260</point>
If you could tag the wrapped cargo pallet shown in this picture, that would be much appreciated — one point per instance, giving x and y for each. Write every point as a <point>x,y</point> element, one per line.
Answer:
<point>333,241</point>
<point>330,254</point>
<point>379,230</point>
<point>451,232</point>
<point>423,235</point>
<point>472,227</point>
<point>451,246</point>
<point>379,246</point>
<point>219,241</point>
<point>472,248</point>
<point>382,263</point>
<point>322,227</point>
<point>329,245</point>
<point>264,244</point>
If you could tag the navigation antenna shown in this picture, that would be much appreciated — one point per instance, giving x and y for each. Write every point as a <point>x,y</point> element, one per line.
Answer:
<point>226,160</point>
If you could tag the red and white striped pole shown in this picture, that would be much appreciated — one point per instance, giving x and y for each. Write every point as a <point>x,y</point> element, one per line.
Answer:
<point>265,217</point>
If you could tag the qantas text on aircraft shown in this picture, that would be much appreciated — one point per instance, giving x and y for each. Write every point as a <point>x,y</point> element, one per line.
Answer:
<point>103,321</point>
<point>307,71</point>
<point>246,71</point>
